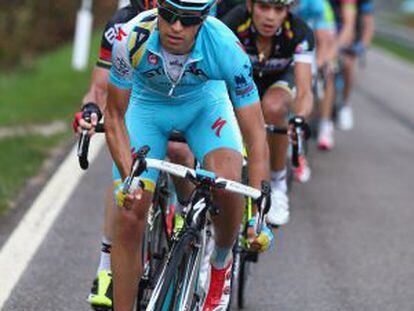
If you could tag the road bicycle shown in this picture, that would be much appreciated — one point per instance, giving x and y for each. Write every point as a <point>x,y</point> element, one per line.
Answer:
<point>178,287</point>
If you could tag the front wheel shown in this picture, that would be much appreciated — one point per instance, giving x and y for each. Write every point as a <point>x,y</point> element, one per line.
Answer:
<point>177,289</point>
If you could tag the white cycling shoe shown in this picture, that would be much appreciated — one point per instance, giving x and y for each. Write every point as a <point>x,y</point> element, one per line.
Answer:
<point>278,214</point>
<point>345,118</point>
<point>326,140</point>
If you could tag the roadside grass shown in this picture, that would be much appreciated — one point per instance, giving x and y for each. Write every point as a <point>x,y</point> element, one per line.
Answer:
<point>21,158</point>
<point>394,48</point>
<point>48,91</point>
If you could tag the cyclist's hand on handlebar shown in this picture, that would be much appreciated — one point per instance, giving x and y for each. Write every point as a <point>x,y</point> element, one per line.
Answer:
<point>299,122</point>
<point>264,241</point>
<point>127,200</point>
<point>87,119</point>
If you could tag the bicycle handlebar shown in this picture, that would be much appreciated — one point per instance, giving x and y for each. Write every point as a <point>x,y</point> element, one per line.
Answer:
<point>83,145</point>
<point>197,177</point>
<point>194,176</point>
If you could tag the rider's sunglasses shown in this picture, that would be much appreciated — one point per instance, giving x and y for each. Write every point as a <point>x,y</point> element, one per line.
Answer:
<point>186,19</point>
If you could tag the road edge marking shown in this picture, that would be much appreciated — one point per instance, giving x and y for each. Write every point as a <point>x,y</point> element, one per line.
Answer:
<point>23,243</point>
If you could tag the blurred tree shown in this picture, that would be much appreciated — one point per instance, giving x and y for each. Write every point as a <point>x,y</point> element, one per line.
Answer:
<point>28,27</point>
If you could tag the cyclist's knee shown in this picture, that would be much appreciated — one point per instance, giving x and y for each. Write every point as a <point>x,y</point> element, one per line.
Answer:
<point>225,163</point>
<point>275,105</point>
<point>180,153</point>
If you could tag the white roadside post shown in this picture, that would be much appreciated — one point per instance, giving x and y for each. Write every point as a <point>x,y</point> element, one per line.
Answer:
<point>123,3</point>
<point>83,33</point>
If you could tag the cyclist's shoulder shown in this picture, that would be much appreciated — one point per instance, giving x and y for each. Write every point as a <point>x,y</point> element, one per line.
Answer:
<point>145,19</point>
<point>236,17</point>
<point>365,6</point>
<point>310,6</point>
<point>220,44</point>
<point>298,26</point>
<point>137,29</point>
<point>123,15</point>
<point>215,33</point>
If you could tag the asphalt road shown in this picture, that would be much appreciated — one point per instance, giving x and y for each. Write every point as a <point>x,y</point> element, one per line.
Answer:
<point>350,243</point>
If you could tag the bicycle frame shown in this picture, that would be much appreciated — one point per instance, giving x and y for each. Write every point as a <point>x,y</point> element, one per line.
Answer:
<point>194,230</point>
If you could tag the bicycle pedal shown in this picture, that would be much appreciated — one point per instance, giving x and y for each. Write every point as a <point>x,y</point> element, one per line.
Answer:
<point>102,308</point>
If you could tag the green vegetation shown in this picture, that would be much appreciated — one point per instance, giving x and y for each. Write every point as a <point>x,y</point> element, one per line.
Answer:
<point>20,158</point>
<point>48,91</point>
<point>395,48</point>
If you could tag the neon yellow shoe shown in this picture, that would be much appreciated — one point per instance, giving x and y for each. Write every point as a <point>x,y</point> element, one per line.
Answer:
<point>178,223</point>
<point>100,297</point>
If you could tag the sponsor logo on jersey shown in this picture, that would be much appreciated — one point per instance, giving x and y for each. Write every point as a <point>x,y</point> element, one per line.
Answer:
<point>218,126</point>
<point>121,34</point>
<point>121,67</point>
<point>152,59</point>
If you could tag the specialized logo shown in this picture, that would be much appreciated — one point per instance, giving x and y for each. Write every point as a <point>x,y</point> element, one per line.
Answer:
<point>218,126</point>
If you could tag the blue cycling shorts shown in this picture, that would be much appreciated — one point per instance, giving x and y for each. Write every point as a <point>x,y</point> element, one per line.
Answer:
<point>205,126</point>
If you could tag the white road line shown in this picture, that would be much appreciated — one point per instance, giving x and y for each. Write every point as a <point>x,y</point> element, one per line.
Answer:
<point>33,228</point>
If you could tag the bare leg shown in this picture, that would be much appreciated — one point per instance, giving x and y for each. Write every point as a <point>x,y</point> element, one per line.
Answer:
<point>276,103</point>
<point>226,163</point>
<point>126,252</point>
<point>180,153</point>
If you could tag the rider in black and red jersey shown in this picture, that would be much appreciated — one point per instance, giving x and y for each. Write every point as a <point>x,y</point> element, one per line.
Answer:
<point>280,46</point>
<point>95,99</point>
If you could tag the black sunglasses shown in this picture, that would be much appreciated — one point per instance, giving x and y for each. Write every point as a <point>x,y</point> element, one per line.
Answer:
<point>186,20</point>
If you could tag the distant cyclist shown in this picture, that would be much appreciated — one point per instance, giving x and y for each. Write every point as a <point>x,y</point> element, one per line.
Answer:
<point>95,100</point>
<point>345,18</point>
<point>363,38</point>
<point>319,15</point>
<point>280,46</point>
<point>168,68</point>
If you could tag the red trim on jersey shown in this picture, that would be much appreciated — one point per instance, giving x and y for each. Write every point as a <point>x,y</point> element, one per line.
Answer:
<point>105,54</point>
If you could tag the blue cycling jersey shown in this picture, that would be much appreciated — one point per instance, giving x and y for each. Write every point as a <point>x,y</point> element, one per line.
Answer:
<point>217,56</point>
<point>314,12</point>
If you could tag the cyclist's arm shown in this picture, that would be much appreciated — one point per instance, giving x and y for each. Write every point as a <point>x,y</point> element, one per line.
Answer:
<point>98,89</point>
<point>349,15</point>
<point>304,96</point>
<point>252,126</point>
<point>325,40</point>
<point>303,59</point>
<point>119,89</point>
<point>116,133</point>
<point>238,74</point>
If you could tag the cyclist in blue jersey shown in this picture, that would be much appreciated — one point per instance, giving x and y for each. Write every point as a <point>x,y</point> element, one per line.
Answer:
<point>345,18</point>
<point>319,15</point>
<point>167,73</point>
<point>364,32</point>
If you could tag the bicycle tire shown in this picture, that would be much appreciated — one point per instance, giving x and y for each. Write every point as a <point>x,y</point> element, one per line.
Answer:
<point>182,261</point>
<point>155,248</point>
<point>241,288</point>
